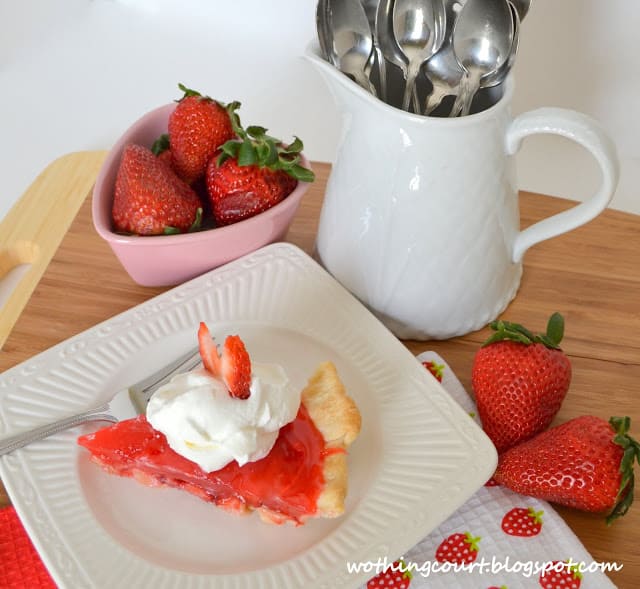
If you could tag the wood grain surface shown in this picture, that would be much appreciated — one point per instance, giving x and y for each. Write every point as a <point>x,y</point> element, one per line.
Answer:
<point>35,226</point>
<point>591,275</point>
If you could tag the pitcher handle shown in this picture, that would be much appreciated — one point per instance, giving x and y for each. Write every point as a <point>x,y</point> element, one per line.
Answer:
<point>584,131</point>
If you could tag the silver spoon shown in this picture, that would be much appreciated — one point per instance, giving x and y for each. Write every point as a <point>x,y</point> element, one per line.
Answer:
<point>351,43</point>
<point>443,70</point>
<point>419,29</point>
<point>482,42</point>
<point>522,6</point>
<point>322,28</point>
<point>370,9</point>
<point>387,42</point>
<point>501,73</point>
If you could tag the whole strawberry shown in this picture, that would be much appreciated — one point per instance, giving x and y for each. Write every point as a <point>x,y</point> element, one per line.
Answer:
<point>197,127</point>
<point>149,199</point>
<point>585,463</point>
<point>252,174</point>
<point>520,380</point>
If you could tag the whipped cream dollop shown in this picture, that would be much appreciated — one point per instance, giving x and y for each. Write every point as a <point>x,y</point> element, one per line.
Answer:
<point>206,425</point>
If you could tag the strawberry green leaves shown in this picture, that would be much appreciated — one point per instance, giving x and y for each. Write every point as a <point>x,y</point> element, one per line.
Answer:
<point>189,92</point>
<point>505,330</point>
<point>631,447</point>
<point>254,147</point>
<point>161,144</point>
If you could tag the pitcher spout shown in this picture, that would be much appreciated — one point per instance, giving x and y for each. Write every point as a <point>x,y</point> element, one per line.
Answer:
<point>342,87</point>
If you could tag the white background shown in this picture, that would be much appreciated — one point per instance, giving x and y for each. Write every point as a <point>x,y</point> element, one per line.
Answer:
<point>75,73</point>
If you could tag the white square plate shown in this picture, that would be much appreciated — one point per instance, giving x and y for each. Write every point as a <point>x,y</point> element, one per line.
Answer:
<point>418,458</point>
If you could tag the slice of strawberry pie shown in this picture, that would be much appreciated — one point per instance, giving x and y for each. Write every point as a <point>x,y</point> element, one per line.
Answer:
<point>237,435</point>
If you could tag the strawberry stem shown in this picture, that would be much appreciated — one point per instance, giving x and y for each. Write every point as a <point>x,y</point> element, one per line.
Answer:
<point>253,147</point>
<point>624,497</point>
<point>187,92</point>
<point>160,144</point>
<point>505,330</point>
<point>197,222</point>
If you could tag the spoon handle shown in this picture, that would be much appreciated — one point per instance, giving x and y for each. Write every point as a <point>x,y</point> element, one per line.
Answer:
<point>411,90</point>
<point>363,80</point>
<point>382,74</point>
<point>437,95</point>
<point>468,87</point>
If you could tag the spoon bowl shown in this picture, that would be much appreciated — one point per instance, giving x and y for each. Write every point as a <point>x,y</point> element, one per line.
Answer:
<point>482,42</point>
<point>501,73</point>
<point>522,7</point>
<point>371,9</point>
<point>419,29</point>
<point>349,40</point>
<point>388,45</point>
<point>324,34</point>
<point>443,70</point>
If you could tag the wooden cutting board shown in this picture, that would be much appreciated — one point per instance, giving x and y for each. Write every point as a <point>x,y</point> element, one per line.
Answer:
<point>33,229</point>
<point>591,275</point>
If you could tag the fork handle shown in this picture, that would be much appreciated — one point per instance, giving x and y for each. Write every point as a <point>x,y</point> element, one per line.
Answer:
<point>19,440</point>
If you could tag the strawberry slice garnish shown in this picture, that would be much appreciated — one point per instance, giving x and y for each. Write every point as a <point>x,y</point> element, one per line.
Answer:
<point>208,350</point>
<point>236,367</point>
<point>233,365</point>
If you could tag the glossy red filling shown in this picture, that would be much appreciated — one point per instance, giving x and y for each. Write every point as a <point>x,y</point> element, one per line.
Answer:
<point>287,481</point>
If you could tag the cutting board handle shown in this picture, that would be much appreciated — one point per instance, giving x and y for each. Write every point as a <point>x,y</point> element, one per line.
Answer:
<point>34,227</point>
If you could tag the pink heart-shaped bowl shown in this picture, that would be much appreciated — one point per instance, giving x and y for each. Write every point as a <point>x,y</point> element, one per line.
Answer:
<point>166,260</point>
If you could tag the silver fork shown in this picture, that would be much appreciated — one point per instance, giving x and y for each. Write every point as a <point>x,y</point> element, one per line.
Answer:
<point>125,404</point>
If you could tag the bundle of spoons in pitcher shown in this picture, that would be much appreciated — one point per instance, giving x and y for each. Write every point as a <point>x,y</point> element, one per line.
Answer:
<point>430,57</point>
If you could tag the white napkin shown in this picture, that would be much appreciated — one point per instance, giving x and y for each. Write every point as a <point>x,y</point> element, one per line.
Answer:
<point>502,560</point>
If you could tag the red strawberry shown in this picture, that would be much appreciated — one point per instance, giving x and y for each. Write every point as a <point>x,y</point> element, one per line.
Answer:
<point>198,126</point>
<point>149,199</point>
<point>522,521</point>
<point>166,157</point>
<point>397,576</point>
<point>435,369</point>
<point>585,463</point>
<point>252,174</point>
<point>233,365</point>
<point>239,192</point>
<point>520,380</point>
<point>567,578</point>
<point>458,549</point>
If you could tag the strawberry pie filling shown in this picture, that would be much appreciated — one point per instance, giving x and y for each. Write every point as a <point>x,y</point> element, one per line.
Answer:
<point>287,481</point>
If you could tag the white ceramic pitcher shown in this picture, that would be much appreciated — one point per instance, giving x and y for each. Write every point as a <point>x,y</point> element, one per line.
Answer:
<point>421,220</point>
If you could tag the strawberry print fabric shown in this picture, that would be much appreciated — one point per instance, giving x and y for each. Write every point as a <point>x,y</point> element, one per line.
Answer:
<point>500,539</point>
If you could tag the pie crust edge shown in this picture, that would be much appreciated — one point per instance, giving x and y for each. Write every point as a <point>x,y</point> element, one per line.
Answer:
<point>338,419</point>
